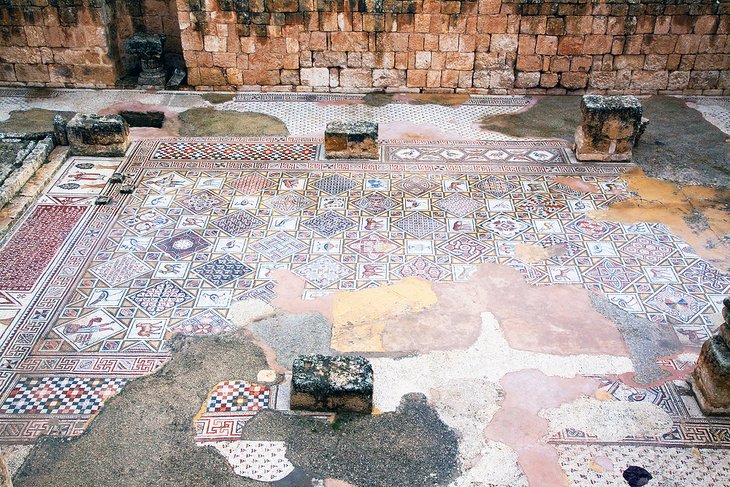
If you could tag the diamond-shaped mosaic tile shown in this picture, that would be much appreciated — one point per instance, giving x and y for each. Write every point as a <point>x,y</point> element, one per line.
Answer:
<point>418,225</point>
<point>334,184</point>
<point>201,201</point>
<point>373,246</point>
<point>329,224</point>
<point>278,246</point>
<point>375,203</point>
<point>90,329</point>
<point>288,203</point>
<point>161,297</point>
<point>182,245</point>
<point>647,249</point>
<point>705,274</point>
<point>206,323</point>
<point>591,228</point>
<point>458,204</point>
<point>222,270</point>
<point>612,274</point>
<point>423,268</point>
<point>496,186</point>
<point>465,247</point>
<point>323,271</point>
<point>120,269</point>
<point>238,223</point>
<point>505,226</point>
<point>416,185</point>
<point>145,222</point>
<point>251,184</point>
<point>541,206</point>
<point>677,303</point>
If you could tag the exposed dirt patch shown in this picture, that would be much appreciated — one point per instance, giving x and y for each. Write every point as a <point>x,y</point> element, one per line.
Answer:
<point>218,98</point>
<point>207,122</point>
<point>409,447</point>
<point>32,121</point>
<point>379,99</point>
<point>551,117</point>
<point>144,435</point>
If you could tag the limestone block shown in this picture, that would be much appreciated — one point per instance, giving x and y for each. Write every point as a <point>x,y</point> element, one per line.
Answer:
<point>340,384</point>
<point>98,135</point>
<point>711,378</point>
<point>351,140</point>
<point>609,129</point>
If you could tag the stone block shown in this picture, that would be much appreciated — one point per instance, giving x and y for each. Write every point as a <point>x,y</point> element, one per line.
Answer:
<point>609,128</point>
<point>339,384</point>
<point>98,135</point>
<point>711,378</point>
<point>351,140</point>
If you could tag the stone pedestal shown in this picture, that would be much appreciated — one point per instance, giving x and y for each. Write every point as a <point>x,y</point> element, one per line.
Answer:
<point>351,140</point>
<point>339,384</point>
<point>98,135</point>
<point>149,48</point>
<point>610,127</point>
<point>711,378</point>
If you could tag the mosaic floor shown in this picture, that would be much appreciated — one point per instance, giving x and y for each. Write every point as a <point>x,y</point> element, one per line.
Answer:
<point>91,295</point>
<point>212,218</point>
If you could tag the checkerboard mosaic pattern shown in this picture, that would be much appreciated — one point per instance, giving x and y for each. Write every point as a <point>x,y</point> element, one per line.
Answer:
<point>236,396</point>
<point>60,395</point>
<point>208,228</point>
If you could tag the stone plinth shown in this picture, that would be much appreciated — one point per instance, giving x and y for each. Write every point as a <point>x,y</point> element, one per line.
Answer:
<point>609,129</point>
<point>351,140</point>
<point>98,135</point>
<point>711,378</point>
<point>149,47</point>
<point>340,384</point>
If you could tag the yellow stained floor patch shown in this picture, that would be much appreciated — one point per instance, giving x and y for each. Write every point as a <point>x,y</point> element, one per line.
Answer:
<point>359,317</point>
<point>697,214</point>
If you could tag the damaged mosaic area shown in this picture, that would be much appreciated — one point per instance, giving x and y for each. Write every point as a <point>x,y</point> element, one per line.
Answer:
<point>217,222</point>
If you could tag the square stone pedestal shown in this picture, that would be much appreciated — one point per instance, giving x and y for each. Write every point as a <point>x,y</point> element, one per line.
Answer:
<point>351,140</point>
<point>609,129</point>
<point>98,135</point>
<point>338,384</point>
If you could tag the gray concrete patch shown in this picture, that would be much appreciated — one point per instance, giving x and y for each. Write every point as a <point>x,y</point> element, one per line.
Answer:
<point>35,120</point>
<point>290,335</point>
<point>410,447</point>
<point>647,341</point>
<point>207,122</point>
<point>679,145</point>
<point>144,435</point>
<point>551,117</point>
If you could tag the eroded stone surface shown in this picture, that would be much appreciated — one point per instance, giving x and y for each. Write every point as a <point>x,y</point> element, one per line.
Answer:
<point>325,383</point>
<point>609,128</point>
<point>351,140</point>
<point>98,135</point>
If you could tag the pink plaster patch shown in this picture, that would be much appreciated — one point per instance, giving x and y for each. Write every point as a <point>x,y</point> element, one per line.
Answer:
<point>289,290</point>
<point>518,425</point>
<point>413,131</point>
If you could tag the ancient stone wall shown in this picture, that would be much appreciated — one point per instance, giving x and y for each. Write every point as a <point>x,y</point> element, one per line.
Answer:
<point>496,46</point>
<point>76,43</point>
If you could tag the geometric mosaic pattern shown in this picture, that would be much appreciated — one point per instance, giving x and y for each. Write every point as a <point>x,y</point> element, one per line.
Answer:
<point>201,233</point>
<point>60,395</point>
<point>222,270</point>
<point>235,396</point>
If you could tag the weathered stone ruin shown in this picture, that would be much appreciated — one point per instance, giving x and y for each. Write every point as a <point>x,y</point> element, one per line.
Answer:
<point>609,129</point>
<point>351,140</point>
<point>149,48</point>
<point>98,135</point>
<point>340,384</point>
<point>711,378</point>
